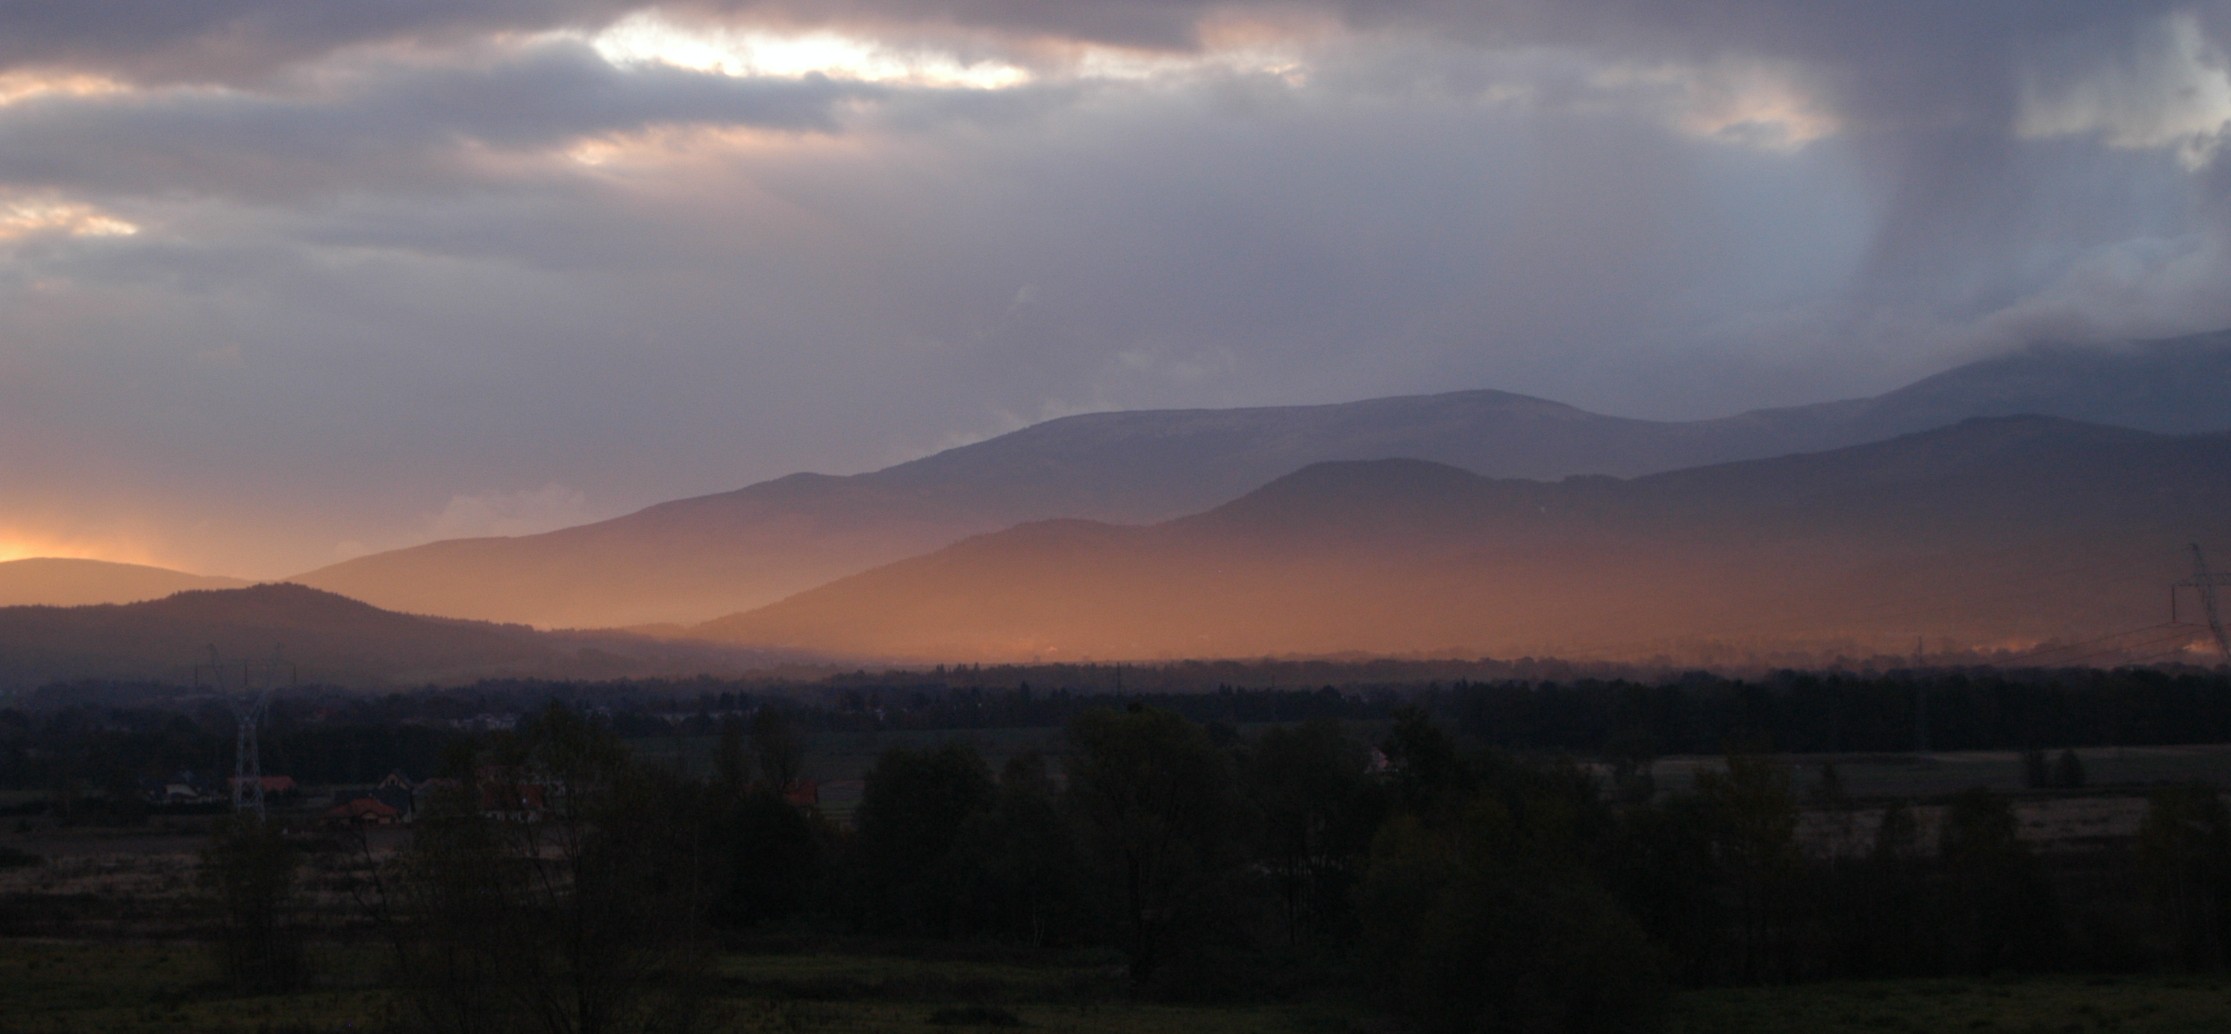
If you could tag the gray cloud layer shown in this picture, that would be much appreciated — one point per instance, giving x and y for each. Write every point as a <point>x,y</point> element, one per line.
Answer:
<point>533,97</point>
<point>399,263</point>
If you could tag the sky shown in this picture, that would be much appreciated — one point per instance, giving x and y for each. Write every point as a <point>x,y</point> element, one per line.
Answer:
<point>286,281</point>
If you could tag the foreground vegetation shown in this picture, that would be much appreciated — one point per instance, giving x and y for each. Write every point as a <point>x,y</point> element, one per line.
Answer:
<point>1139,869</point>
<point>58,987</point>
<point>94,744</point>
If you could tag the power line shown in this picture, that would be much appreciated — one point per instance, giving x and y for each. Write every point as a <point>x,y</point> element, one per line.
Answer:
<point>2203,584</point>
<point>2080,645</point>
<point>2183,635</point>
<point>248,707</point>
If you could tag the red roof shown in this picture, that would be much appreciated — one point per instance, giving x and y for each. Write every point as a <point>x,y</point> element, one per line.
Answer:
<point>271,784</point>
<point>364,809</point>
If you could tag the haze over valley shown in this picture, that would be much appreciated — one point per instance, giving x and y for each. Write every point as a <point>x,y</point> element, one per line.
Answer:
<point>691,560</point>
<point>2044,497</point>
<point>2007,531</point>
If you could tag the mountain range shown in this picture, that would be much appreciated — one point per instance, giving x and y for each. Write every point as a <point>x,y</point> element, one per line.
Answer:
<point>2005,531</point>
<point>689,560</point>
<point>328,639</point>
<point>61,582</point>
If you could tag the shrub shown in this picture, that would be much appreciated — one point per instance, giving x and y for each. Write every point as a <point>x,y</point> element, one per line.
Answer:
<point>975,1016</point>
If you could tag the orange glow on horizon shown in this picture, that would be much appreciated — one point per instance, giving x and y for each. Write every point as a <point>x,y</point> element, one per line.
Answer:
<point>21,545</point>
<point>16,87</point>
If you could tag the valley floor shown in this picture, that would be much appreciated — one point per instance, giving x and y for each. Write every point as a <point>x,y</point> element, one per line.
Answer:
<point>123,988</point>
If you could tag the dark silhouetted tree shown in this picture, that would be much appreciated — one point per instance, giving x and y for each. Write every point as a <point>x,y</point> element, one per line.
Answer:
<point>1023,858</point>
<point>1753,821</point>
<point>1429,771</point>
<point>1632,755</point>
<point>2007,918</point>
<point>731,763</point>
<point>2184,851</point>
<point>2068,771</point>
<point>778,746</point>
<point>251,871</point>
<point>768,860</point>
<point>1307,784</point>
<point>914,808</point>
<point>1153,799</point>
<point>1493,922</point>
<point>559,887</point>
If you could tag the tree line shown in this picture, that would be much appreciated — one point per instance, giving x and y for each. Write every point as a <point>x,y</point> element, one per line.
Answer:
<point>334,737</point>
<point>1460,886</point>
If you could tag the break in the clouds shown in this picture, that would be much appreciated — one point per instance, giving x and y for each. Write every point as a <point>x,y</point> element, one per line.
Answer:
<point>285,280</point>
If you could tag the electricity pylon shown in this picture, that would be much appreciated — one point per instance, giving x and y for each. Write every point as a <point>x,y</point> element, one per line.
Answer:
<point>247,707</point>
<point>2203,583</point>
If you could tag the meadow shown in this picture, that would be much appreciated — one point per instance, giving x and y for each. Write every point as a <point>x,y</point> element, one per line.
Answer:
<point>69,987</point>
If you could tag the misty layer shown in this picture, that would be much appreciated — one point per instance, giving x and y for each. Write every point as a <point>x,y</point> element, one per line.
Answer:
<point>696,559</point>
<point>1994,532</point>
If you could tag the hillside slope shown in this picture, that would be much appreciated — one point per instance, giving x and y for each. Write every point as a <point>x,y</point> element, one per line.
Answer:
<point>329,639</point>
<point>61,582</point>
<point>2004,531</point>
<point>692,559</point>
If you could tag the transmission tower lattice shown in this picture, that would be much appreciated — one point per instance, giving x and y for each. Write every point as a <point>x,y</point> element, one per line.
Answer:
<point>2203,583</point>
<point>248,706</point>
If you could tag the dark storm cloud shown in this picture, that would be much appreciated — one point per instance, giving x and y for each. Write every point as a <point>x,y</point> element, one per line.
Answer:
<point>1931,89</point>
<point>1929,93</point>
<point>225,40</point>
<point>243,40</point>
<point>1934,49</point>
<point>390,126</point>
<point>231,40</point>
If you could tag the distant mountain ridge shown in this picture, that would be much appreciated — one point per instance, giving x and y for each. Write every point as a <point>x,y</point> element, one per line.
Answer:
<point>687,560</point>
<point>333,640</point>
<point>2001,531</point>
<point>65,582</point>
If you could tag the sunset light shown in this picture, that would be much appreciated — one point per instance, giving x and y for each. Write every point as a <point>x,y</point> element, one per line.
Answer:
<point>15,546</point>
<point>1757,106</point>
<point>1550,516</point>
<point>31,217</point>
<point>651,39</point>
<point>17,87</point>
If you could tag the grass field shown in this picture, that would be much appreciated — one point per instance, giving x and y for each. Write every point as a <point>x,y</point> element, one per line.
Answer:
<point>834,756</point>
<point>1929,775</point>
<point>127,988</point>
<point>2059,1005</point>
<point>51,986</point>
<point>839,759</point>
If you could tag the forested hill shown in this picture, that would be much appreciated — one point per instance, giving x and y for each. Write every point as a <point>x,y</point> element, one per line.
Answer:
<point>328,639</point>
